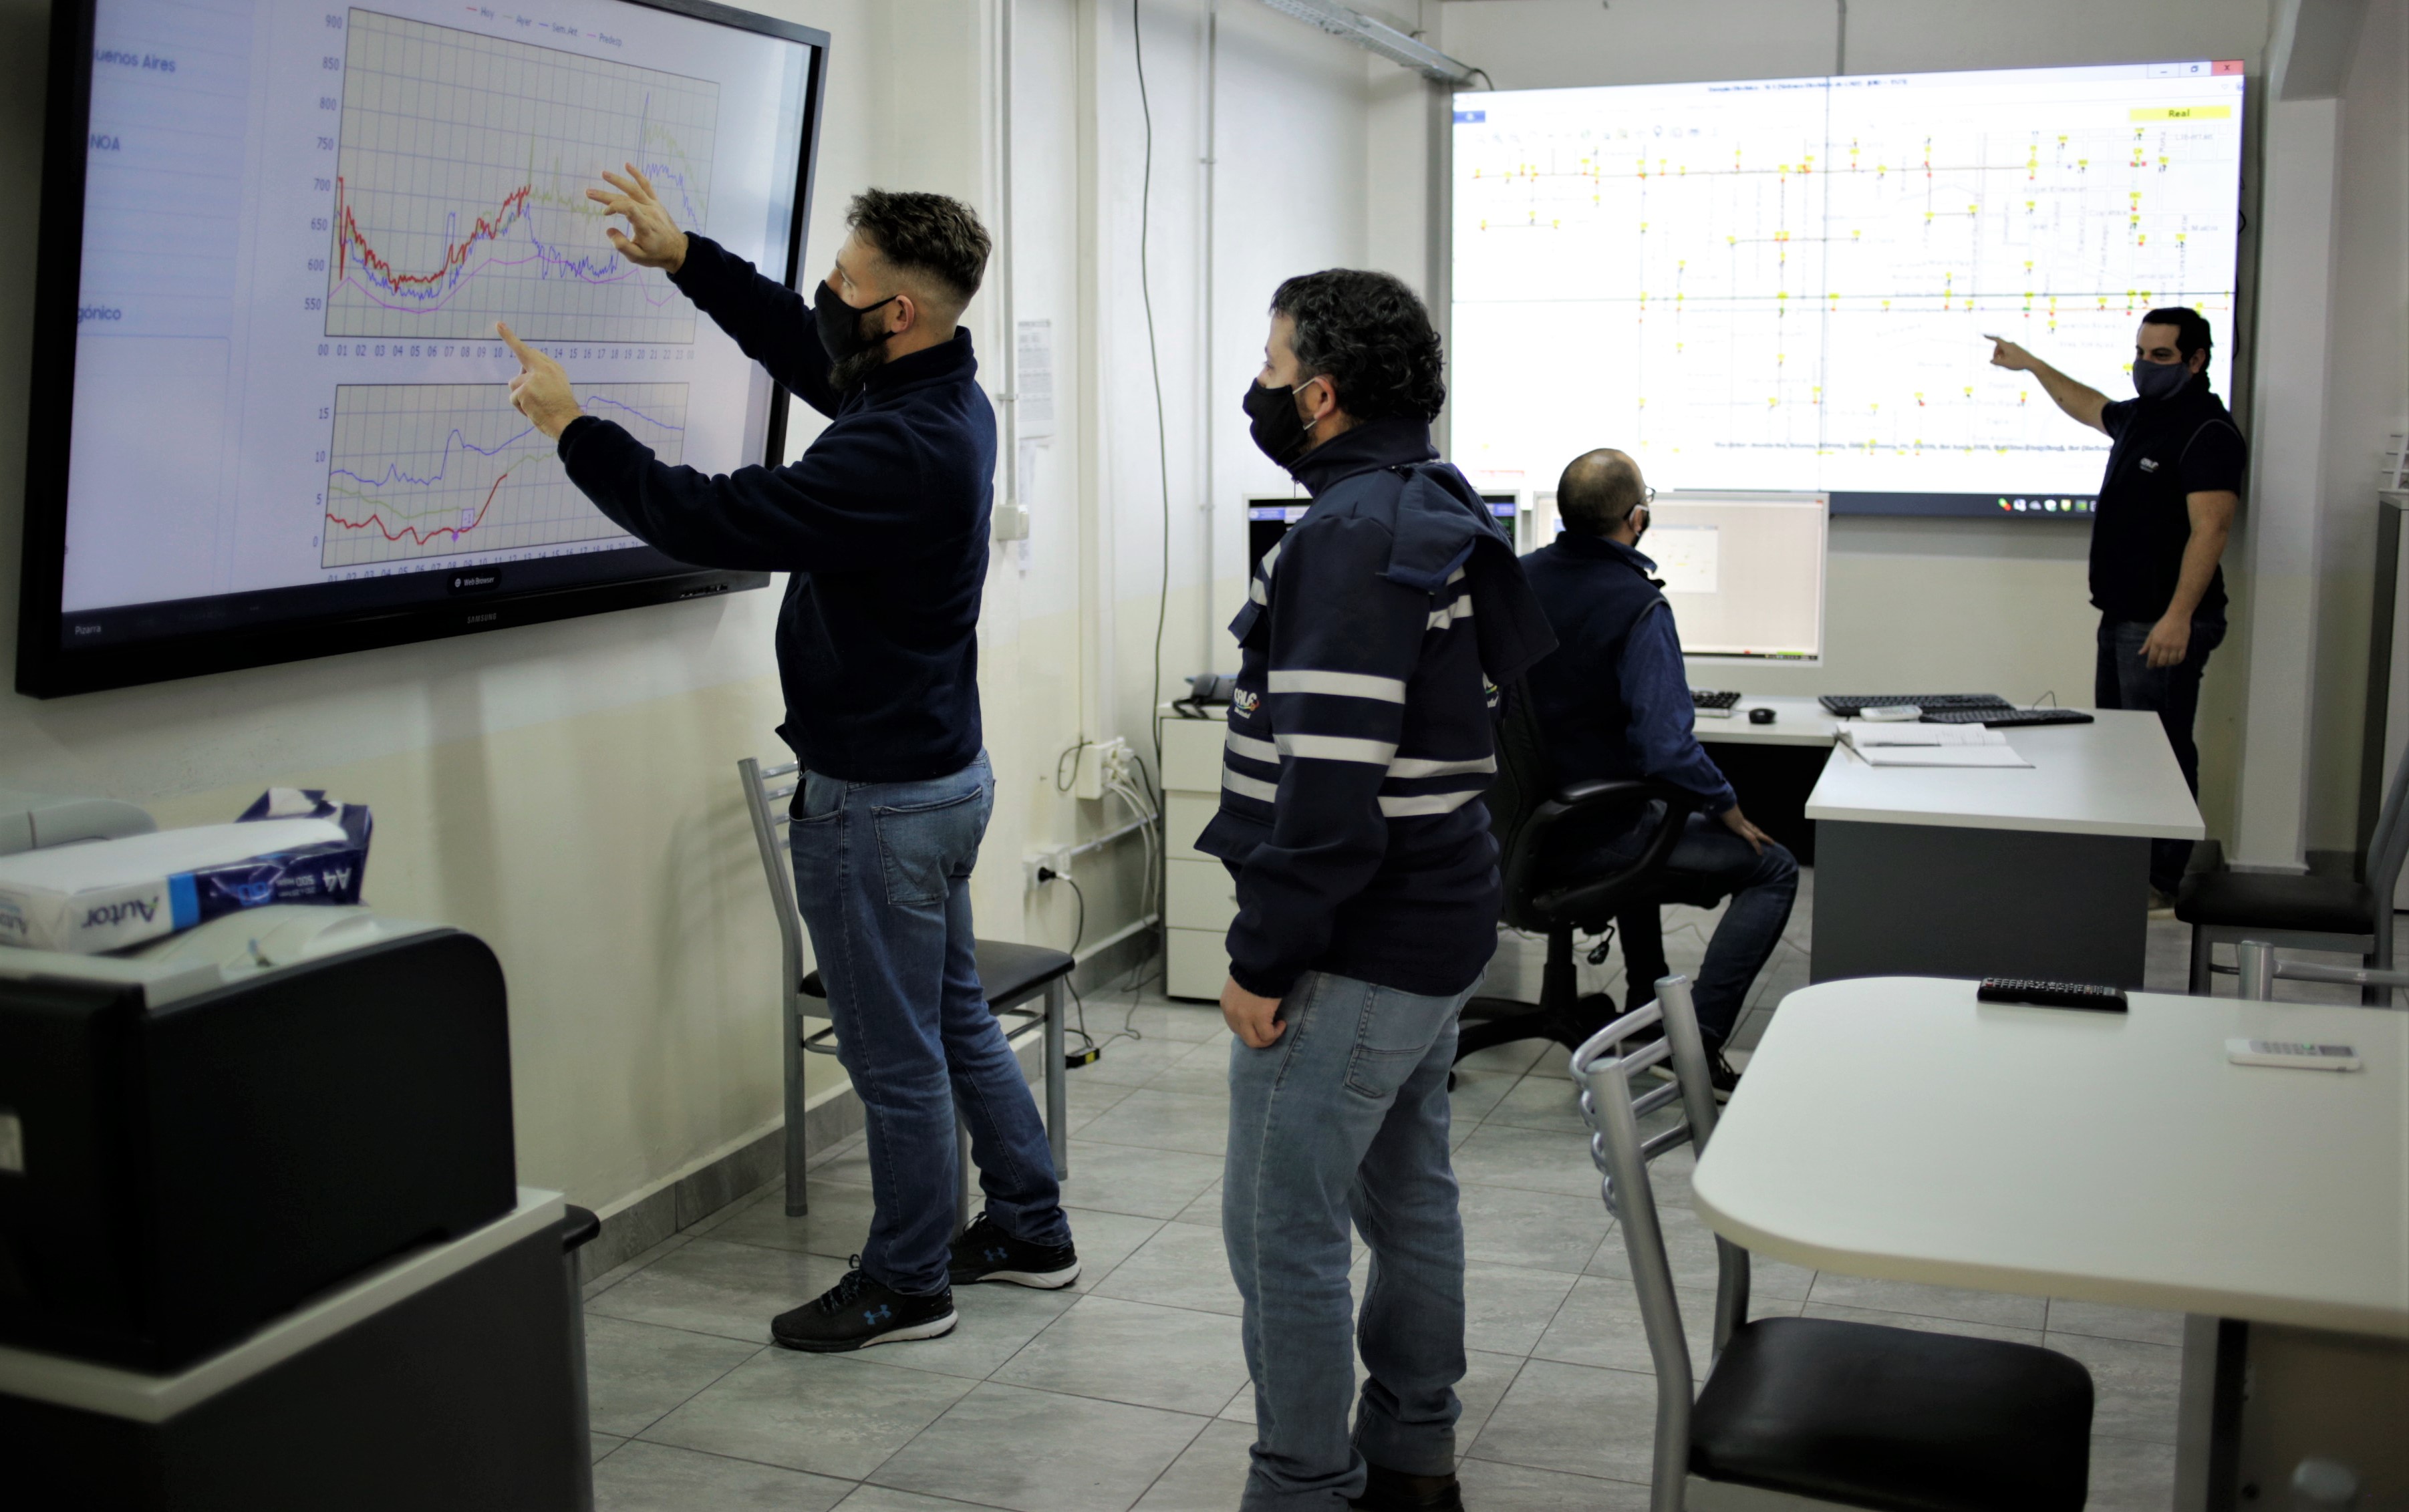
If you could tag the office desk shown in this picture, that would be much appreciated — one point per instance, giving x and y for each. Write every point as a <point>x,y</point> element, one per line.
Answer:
<point>2105,1157</point>
<point>1797,721</point>
<point>1993,870</point>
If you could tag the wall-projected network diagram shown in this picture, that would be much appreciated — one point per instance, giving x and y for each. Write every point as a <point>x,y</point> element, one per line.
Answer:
<point>422,470</point>
<point>1785,284</point>
<point>459,196</point>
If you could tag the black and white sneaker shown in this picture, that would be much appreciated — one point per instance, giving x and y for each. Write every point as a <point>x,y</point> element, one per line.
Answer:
<point>985,1253</point>
<point>857,1312</point>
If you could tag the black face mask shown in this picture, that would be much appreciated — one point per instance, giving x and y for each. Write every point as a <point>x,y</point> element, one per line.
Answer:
<point>2161,379</point>
<point>1280,433</point>
<point>840,328</point>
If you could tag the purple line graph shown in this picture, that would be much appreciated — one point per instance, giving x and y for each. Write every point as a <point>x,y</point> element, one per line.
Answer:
<point>459,196</point>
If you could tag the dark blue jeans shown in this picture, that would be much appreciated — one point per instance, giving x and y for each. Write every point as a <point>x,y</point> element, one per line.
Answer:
<point>1708,858</point>
<point>883,873</point>
<point>2127,680</point>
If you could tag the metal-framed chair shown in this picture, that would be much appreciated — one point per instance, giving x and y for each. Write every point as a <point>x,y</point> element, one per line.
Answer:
<point>2302,913</point>
<point>1011,975</point>
<point>2254,960</point>
<point>1803,1413</point>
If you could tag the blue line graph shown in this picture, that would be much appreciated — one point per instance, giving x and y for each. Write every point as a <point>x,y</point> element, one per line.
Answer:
<point>420,470</point>
<point>459,196</point>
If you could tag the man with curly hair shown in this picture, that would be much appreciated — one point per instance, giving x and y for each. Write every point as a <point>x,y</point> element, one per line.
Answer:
<point>1361,737</point>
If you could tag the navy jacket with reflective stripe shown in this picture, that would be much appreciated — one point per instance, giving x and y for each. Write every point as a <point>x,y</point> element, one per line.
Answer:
<point>1362,732</point>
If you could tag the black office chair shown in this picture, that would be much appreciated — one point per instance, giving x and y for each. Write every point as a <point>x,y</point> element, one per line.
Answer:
<point>1534,821</point>
<point>2306,912</point>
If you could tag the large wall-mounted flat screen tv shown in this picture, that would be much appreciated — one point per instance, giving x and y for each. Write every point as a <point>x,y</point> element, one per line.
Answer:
<point>270,414</point>
<point>1785,283</point>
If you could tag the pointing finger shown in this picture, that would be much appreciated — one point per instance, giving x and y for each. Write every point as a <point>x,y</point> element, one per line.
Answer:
<point>526,354</point>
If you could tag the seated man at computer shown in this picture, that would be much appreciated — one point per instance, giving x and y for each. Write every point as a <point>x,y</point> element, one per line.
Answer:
<point>1613,703</point>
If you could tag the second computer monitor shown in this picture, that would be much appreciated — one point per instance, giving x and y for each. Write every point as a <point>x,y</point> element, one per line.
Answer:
<point>1743,572</point>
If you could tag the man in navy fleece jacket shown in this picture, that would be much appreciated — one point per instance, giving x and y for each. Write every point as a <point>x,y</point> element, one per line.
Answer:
<point>882,524</point>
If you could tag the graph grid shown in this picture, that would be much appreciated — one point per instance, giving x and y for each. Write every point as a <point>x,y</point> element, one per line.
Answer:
<point>441,469</point>
<point>459,196</point>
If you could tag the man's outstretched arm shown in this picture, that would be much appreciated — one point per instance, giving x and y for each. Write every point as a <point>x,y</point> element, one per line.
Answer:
<point>770,322</point>
<point>2081,400</point>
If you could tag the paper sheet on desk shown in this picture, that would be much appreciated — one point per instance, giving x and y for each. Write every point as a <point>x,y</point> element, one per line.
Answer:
<point>1930,745</point>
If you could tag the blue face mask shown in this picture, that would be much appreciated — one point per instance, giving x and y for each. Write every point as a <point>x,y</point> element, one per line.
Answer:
<point>2161,379</point>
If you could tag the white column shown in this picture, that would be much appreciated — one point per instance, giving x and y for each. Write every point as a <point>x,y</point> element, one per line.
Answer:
<point>2287,428</point>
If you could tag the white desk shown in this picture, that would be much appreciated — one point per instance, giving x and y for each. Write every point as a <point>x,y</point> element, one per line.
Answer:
<point>1797,721</point>
<point>1998,871</point>
<point>1896,1128</point>
<point>2115,776</point>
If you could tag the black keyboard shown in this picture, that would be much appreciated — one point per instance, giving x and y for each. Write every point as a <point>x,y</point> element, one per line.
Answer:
<point>2000,718</point>
<point>1849,705</point>
<point>1713,697</point>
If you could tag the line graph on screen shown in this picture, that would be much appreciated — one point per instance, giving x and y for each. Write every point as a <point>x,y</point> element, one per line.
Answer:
<point>420,470</point>
<point>460,179</point>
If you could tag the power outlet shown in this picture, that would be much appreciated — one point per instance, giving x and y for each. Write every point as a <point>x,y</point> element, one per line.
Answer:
<point>1056,862</point>
<point>1097,760</point>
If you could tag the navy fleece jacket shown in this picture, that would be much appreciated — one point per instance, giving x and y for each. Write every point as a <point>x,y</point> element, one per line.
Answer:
<point>882,523</point>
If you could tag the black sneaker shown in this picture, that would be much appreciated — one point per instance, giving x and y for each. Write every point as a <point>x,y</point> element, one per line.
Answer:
<point>857,1312</point>
<point>1720,1070</point>
<point>1393,1491</point>
<point>985,1253</point>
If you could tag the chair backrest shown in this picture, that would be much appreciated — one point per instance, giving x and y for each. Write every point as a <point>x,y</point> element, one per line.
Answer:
<point>1525,779</point>
<point>1603,1068</point>
<point>2388,844</point>
<point>761,800</point>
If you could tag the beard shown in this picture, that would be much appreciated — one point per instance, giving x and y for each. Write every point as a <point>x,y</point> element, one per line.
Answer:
<point>849,373</point>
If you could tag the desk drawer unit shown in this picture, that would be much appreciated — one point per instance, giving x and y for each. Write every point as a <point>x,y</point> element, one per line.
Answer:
<point>1198,901</point>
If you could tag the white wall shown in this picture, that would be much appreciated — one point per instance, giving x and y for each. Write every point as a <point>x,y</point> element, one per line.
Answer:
<point>1912,605</point>
<point>2367,397</point>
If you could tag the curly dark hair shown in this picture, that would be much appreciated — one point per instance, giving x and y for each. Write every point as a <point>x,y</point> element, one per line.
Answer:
<point>1369,335</point>
<point>930,234</point>
<point>2191,328</point>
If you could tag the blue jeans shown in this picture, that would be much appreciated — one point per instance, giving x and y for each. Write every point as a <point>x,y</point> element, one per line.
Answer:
<point>1346,1113</point>
<point>1708,858</point>
<point>882,872</point>
<point>2124,680</point>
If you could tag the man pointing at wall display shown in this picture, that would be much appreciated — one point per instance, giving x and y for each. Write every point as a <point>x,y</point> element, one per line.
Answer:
<point>882,524</point>
<point>2166,506</point>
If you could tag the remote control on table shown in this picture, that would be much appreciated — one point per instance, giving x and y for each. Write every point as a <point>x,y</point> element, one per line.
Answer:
<point>2097,1000</point>
<point>2298,1054</point>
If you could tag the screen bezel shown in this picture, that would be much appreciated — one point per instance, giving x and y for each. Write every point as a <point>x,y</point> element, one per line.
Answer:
<point>46,668</point>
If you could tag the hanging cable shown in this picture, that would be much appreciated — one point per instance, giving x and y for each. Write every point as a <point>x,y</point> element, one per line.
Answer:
<point>1154,361</point>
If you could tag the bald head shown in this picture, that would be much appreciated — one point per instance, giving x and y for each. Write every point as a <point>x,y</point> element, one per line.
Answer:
<point>1598,492</point>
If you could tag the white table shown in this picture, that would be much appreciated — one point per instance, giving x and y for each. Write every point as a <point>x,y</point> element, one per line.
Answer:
<point>1993,870</point>
<point>1896,1128</point>
<point>1797,721</point>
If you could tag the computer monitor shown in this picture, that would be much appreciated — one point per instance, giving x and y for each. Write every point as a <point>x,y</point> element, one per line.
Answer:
<point>1268,519</point>
<point>1743,572</point>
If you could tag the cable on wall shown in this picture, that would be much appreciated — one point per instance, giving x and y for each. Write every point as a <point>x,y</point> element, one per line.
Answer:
<point>1154,361</point>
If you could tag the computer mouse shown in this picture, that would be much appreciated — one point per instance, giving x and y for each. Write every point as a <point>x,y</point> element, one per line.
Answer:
<point>1760,717</point>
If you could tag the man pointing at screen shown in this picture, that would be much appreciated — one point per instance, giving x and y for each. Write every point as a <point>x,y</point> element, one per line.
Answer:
<point>883,526</point>
<point>2166,507</point>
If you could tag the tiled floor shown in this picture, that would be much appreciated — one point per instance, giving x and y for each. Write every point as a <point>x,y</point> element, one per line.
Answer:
<point>1129,1390</point>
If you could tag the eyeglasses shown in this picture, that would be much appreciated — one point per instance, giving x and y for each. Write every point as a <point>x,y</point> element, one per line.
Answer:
<point>1647,495</point>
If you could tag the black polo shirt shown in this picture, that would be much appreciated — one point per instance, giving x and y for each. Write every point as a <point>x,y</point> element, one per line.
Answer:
<point>2165,450</point>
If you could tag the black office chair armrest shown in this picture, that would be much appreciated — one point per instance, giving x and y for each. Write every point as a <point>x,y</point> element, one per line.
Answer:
<point>1587,800</point>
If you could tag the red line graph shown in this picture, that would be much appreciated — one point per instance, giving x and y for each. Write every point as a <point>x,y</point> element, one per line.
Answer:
<point>413,532</point>
<point>352,244</point>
